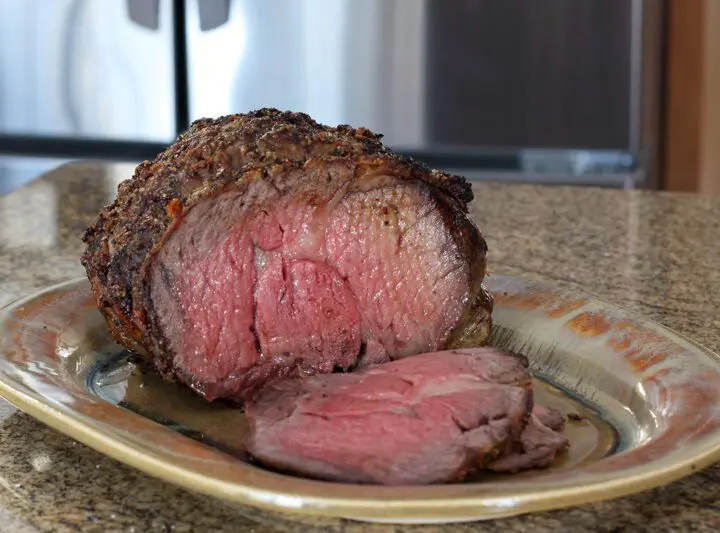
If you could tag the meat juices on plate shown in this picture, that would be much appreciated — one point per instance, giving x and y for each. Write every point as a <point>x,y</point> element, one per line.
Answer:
<point>265,245</point>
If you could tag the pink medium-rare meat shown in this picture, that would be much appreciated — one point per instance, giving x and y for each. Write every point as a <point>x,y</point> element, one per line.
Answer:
<point>549,417</point>
<point>430,418</point>
<point>540,442</point>
<point>265,245</point>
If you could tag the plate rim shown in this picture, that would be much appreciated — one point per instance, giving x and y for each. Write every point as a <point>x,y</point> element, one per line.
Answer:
<point>419,510</point>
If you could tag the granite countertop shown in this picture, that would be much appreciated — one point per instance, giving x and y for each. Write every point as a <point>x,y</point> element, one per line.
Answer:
<point>655,253</point>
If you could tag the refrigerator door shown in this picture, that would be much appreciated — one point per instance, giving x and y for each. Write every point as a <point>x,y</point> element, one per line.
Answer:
<point>87,69</point>
<point>546,92</point>
<point>341,61</point>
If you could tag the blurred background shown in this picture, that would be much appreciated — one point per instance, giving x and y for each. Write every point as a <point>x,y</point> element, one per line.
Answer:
<point>615,93</point>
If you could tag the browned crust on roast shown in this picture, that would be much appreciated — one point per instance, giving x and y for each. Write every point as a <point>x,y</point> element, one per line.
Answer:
<point>220,154</point>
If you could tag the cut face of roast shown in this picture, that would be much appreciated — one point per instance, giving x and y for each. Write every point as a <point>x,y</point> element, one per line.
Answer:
<point>263,284</point>
<point>430,418</point>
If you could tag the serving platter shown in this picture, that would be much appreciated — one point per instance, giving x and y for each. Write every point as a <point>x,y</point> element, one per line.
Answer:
<point>643,401</point>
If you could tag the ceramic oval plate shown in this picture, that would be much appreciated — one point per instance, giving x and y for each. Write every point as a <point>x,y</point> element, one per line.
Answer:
<point>644,406</point>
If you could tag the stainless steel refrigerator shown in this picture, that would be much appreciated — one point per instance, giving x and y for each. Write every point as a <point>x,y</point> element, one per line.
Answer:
<point>552,91</point>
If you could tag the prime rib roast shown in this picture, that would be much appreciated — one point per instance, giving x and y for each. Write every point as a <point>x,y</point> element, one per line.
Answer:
<point>432,418</point>
<point>539,443</point>
<point>265,245</point>
<point>330,287</point>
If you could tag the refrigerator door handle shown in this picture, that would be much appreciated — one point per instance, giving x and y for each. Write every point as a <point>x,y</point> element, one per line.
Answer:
<point>213,13</point>
<point>145,13</point>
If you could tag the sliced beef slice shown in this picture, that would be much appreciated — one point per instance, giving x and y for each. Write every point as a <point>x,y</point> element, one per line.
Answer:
<point>549,417</point>
<point>431,418</point>
<point>265,245</point>
<point>539,443</point>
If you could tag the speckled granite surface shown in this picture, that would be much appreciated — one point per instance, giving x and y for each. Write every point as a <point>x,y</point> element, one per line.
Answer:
<point>657,254</point>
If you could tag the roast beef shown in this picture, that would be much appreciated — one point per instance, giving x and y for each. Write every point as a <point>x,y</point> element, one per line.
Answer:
<point>431,418</point>
<point>265,245</point>
<point>549,417</point>
<point>539,443</point>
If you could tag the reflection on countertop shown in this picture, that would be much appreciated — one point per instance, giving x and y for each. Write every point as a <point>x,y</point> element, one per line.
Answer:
<point>17,171</point>
<point>654,253</point>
